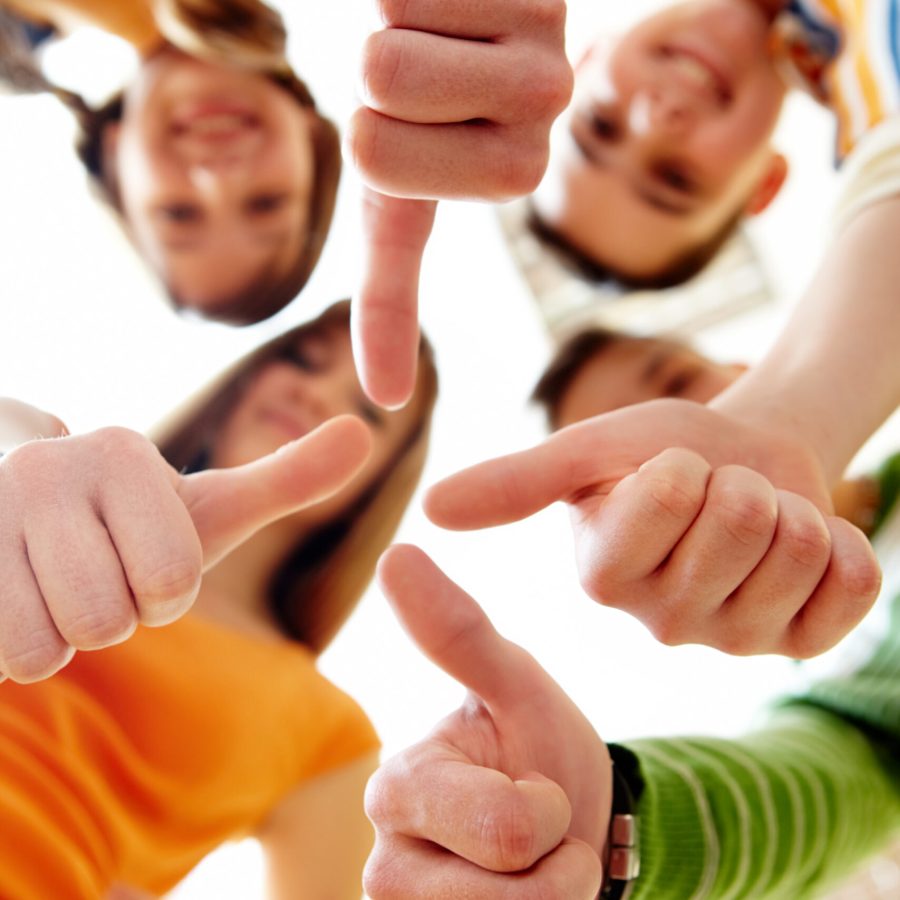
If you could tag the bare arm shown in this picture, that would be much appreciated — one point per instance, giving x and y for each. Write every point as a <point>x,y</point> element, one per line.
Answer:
<point>833,376</point>
<point>317,840</point>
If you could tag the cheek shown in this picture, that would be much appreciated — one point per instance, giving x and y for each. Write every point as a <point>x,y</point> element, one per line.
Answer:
<point>288,148</point>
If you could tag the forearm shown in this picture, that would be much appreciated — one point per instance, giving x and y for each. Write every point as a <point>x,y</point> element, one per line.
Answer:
<point>833,377</point>
<point>779,814</point>
<point>20,422</point>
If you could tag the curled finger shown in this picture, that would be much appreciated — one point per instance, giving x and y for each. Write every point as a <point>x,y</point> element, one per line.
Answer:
<point>844,595</point>
<point>402,868</point>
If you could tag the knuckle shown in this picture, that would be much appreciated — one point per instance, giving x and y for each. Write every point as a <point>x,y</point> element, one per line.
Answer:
<point>671,628</point>
<point>115,440</point>
<point>807,638</point>
<point>383,875</point>
<point>100,624</point>
<point>517,169</point>
<point>378,801</point>
<point>736,640</point>
<point>807,543</point>
<point>45,654</point>
<point>507,834</point>
<point>679,500</point>
<point>861,580</point>
<point>549,92</point>
<point>382,60</point>
<point>33,465</point>
<point>600,578</point>
<point>361,142</point>
<point>746,516</point>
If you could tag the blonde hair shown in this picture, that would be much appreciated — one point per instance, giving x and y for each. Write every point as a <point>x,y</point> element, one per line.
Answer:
<point>243,33</point>
<point>317,586</point>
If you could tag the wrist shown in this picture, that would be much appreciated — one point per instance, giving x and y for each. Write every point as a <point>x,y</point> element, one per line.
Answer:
<point>621,853</point>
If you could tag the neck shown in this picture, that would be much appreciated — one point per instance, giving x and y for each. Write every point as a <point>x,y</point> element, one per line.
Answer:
<point>235,590</point>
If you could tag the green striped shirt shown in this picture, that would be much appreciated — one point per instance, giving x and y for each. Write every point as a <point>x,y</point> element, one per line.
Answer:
<point>790,809</point>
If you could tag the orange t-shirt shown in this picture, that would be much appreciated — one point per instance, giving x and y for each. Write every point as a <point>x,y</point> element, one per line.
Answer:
<point>134,762</point>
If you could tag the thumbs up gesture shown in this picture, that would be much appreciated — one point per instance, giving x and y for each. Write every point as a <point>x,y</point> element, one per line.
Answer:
<point>510,796</point>
<point>459,99</point>
<point>99,533</point>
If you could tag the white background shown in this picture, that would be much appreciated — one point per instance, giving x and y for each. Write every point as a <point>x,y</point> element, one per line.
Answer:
<point>84,334</point>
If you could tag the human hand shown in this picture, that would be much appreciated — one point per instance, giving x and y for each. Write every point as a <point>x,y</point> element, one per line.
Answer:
<point>510,795</point>
<point>726,541</point>
<point>20,422</point>
<point>99,533</point>
<point>459,99</point>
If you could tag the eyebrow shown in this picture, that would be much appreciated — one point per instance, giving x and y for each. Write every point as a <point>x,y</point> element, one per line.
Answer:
<point>651,198</point>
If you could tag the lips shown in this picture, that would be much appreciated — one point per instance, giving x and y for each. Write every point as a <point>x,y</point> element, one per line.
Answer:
<point>213,121</point>
<point>291,425</point>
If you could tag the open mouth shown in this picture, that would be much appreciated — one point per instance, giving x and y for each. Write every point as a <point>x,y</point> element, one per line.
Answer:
<point>291,426</point>
<point>213,121</point>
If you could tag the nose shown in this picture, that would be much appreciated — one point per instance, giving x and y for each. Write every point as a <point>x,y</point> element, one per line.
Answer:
<point>216,178</point>
<point>323,396</point>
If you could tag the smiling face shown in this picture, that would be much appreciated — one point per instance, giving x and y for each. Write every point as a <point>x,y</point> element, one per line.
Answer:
<point>668,142</point>
<point>213,168</point>
<point>311,381</point>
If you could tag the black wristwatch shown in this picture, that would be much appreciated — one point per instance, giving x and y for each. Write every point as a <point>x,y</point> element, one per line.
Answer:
<point>624,860</point>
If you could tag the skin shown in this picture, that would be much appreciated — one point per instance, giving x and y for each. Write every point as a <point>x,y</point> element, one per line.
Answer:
<point>486,806</point>
<point>428,130</point>
<point>20,422</point>
<point>85,580</point>
<point>213,169</point>
<point>286,400</point>
<point>668,137</point>
<point>638,370</point>
<point>633,371</point>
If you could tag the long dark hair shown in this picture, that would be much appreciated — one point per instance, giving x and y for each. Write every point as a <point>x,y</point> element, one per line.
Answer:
<point>316,587</point>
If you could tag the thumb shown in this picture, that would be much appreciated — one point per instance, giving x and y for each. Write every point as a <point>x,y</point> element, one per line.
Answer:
<point>228,506</point>
<point>385,308</point>
<point>452,630</point>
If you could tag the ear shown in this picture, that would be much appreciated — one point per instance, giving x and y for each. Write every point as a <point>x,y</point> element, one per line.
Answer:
<point>769,186</point>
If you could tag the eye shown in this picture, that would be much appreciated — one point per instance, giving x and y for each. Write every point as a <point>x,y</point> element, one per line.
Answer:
<point>371,414</point>
<point>310,352</point>
<point>679,382</point>
<point>299,356</point>
<point>263,204</point>
<point>180,213</point>
<point>604,127</point>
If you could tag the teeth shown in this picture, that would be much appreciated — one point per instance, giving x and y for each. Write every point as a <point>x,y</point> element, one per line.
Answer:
<point>695,72</point>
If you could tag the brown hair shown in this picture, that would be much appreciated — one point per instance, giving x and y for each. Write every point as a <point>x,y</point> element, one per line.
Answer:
<point>567,363</point>
<point>317,586</point>
<point>239,33</point>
